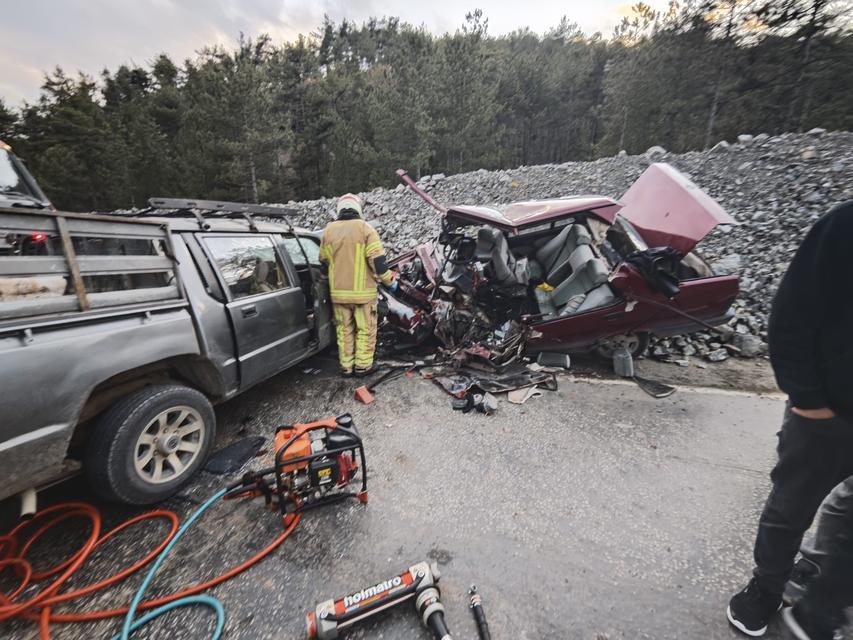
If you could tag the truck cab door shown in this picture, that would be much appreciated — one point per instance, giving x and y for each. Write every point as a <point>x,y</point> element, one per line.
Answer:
<point>266,307</point>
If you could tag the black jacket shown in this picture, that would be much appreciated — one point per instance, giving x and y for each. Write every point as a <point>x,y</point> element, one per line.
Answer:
<point>811,323</point>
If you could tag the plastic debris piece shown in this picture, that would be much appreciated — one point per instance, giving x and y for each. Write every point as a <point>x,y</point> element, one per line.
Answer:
<point>654,388</point>
<point>233,456</point>
<point>623,363</point>
<point>553,359</point>
<point>520,396</point>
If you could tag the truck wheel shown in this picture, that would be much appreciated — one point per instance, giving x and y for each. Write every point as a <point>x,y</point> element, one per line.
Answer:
<point>636,343</point>
<point>149,443</point>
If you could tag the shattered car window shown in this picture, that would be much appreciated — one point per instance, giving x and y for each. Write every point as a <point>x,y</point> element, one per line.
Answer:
<point>309,245</point>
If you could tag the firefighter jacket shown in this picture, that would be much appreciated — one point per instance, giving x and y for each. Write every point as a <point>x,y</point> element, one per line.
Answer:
<point>350,248</point>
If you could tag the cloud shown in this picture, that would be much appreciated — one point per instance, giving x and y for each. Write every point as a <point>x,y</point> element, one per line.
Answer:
<point>91,35</point>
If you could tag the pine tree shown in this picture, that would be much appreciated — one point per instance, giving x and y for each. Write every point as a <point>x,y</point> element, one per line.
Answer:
<point>341,108</point>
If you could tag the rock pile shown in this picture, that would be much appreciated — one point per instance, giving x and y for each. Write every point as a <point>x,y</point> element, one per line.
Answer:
<point>775,186</point>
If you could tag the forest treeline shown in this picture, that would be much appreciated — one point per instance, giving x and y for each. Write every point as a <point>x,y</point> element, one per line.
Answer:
<point>340,109</point>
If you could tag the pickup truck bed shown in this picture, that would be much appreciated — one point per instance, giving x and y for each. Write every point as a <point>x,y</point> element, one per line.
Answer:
<point>98,309</point>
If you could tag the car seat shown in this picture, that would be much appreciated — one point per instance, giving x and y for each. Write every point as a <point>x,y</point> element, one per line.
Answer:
<point>554,255</point>
<point>260,278</point>
<point>588,274</point>
<point>501,266</point>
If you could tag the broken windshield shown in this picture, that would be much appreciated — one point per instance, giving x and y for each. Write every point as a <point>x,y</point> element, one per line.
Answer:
<point>12,180</point>
<point>17,186</point>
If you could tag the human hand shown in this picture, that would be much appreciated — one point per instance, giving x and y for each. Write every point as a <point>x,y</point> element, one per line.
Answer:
<point>824,413</point>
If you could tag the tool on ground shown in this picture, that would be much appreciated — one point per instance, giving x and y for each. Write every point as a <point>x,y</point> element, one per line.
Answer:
<point>419,581</point>
<point>314,463</point>
<point>364,393</point>
<point>476,604</point>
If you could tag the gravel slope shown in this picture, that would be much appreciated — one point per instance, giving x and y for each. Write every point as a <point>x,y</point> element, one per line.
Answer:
<point>775,186</point>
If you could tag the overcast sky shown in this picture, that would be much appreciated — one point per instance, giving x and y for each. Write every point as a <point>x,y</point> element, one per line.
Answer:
<point>89,35</point>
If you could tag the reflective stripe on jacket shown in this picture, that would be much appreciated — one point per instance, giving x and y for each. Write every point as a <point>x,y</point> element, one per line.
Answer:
<point>349,247</point>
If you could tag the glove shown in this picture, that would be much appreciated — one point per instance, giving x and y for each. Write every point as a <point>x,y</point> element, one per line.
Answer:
<point>393,285</point>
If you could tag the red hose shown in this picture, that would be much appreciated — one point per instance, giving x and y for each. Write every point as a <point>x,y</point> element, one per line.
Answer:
<point>39,607</point>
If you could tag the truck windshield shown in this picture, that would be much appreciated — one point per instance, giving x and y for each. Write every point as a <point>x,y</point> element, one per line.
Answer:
<point>16,185</point>
<point>11,179</point>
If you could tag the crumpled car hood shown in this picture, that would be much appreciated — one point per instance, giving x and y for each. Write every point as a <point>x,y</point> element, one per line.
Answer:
<point>669,210</point>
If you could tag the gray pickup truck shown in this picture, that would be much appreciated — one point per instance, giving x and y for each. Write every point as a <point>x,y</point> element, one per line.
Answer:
<point>118,334</point>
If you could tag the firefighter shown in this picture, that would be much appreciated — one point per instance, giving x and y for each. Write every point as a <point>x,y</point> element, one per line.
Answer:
<point>356,259</point>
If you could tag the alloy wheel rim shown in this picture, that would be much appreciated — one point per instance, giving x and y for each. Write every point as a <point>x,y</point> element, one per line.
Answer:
<point>169,444</point>
<point>630,342</point>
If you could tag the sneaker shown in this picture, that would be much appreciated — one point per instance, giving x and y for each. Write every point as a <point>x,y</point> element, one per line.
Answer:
<point>801,628</point>
<point>750,610</point>
<point>804,572</point>
<point>346,373</point>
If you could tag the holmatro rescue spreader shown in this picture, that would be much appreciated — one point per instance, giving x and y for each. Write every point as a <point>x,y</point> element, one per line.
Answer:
<point>419,582</point>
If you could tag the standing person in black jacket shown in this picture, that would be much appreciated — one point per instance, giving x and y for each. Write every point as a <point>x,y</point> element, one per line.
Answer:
<point>812,357</point>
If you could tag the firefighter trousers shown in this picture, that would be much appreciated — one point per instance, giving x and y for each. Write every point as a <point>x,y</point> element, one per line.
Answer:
<point>355,326</point>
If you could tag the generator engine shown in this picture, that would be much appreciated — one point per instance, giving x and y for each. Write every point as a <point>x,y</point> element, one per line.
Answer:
<point>316,462</point>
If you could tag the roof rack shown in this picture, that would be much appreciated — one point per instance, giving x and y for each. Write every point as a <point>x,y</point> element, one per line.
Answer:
<point>214,208</point>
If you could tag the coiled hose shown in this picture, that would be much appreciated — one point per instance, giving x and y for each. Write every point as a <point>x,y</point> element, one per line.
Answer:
<point>14,547</point>
<point>131,625</point>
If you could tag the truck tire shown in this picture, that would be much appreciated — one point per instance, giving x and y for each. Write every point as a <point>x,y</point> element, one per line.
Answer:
<point>149,443</point>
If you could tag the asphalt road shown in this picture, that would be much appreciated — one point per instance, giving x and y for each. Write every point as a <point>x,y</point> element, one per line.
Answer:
<point>594,512</point>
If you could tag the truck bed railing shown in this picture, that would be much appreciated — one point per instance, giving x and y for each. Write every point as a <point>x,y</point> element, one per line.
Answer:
<point>62,263</point>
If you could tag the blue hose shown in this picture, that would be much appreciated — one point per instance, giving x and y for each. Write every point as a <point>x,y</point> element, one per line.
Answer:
<point>131,625</point>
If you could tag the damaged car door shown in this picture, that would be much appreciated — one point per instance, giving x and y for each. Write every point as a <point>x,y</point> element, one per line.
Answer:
<point>265,303</point>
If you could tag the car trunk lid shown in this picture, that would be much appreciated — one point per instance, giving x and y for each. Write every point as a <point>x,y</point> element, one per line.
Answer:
<point>669,210</point>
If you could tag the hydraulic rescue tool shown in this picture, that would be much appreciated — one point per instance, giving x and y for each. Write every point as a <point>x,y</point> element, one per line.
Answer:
<point>476,604</point>
<point>419,581</point>
<point>313,466</point>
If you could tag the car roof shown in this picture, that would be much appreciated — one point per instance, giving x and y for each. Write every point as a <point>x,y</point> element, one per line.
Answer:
<point>518,215</point>
<point>219,225</point>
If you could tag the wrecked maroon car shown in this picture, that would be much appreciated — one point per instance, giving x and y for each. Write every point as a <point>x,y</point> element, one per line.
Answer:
<point>568,275</point>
